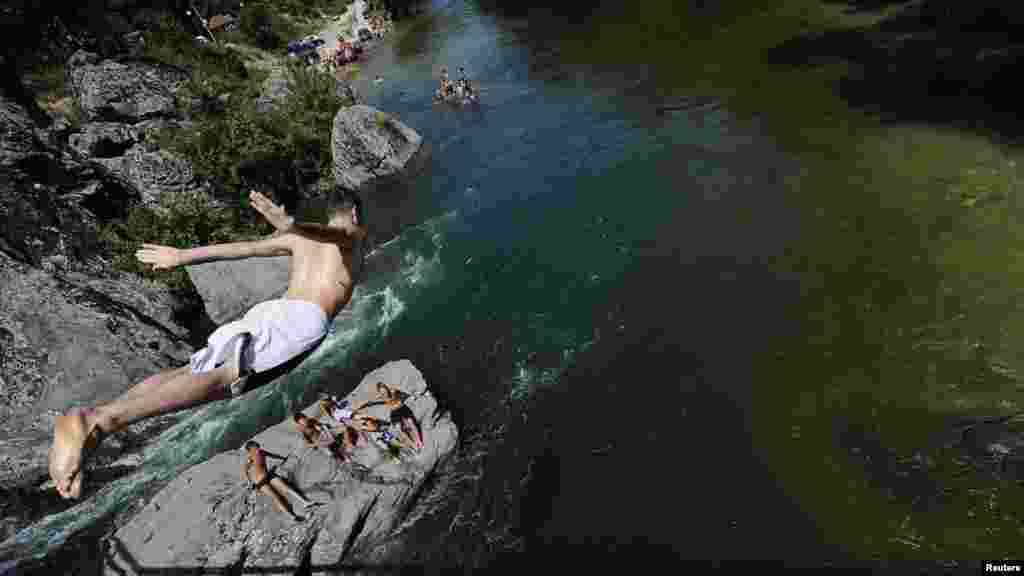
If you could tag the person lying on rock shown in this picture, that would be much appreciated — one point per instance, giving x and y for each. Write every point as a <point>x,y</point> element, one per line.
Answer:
<point>254,470</point>
<point>325,265</point>
<point>340,443</point>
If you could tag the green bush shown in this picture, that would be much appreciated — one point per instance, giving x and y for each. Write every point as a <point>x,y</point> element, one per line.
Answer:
<point>309,9</point>
<point>298,128</point>
<point>183,220</point>
<point>265,27</point>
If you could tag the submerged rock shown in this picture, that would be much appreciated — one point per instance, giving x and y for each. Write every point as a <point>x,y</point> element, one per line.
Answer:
<point>208,519</point>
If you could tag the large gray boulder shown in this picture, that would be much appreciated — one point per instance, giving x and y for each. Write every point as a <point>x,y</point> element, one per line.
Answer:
<point>152,172</point>
<point>378,155</point>
<point>370,145</point>
<point>230,288</point>
<point>123,91</point>
<point>102,139</point>
<point>208,519</point>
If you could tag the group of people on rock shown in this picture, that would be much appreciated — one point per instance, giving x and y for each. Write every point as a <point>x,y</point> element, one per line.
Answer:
<point>348,422</point>
<point>340,437</point>
<point>461,88</point>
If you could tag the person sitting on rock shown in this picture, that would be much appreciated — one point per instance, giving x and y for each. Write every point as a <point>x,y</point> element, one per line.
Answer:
<point>254,470</point>
<point>340,444</point>
<point>269,340</point>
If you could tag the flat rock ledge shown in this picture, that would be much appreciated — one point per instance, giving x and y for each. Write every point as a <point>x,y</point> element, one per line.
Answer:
<point>208,521</point>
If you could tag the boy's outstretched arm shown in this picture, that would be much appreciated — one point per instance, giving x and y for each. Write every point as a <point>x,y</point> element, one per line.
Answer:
<point>167,257</point>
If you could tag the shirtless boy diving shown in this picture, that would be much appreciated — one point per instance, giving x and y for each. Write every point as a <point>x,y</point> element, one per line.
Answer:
<point>326,261</point>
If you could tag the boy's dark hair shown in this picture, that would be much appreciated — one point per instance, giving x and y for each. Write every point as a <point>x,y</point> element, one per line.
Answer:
<point>344,199</point>
<point>251,444</point>
<point>298,416</point>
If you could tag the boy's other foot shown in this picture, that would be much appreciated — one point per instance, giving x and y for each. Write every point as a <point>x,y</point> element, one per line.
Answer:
<point>75,436</point>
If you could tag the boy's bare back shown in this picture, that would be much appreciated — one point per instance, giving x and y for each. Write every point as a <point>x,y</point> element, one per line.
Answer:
<point>326,261</point>
<point>323,273</point>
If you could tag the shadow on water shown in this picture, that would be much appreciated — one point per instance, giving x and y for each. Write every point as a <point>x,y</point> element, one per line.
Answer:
<point>948,64</point>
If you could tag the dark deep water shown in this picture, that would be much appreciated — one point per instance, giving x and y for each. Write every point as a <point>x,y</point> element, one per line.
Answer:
<point>605,289</point>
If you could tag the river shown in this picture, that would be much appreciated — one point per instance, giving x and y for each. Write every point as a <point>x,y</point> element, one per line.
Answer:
<point>678,335</point>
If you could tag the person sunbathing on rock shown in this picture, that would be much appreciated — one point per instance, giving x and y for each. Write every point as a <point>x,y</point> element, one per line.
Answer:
<point>326,262</point>
<point>254,470</point>
<point>340,443</point>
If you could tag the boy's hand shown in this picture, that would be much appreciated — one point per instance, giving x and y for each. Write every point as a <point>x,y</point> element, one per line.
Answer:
<point>274,214</point>
<point>161,257</point>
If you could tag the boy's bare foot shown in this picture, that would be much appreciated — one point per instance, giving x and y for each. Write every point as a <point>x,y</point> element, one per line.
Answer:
<point>75,435</point>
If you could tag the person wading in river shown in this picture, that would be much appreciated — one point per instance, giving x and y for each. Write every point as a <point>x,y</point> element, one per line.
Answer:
<point>326,261</point>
